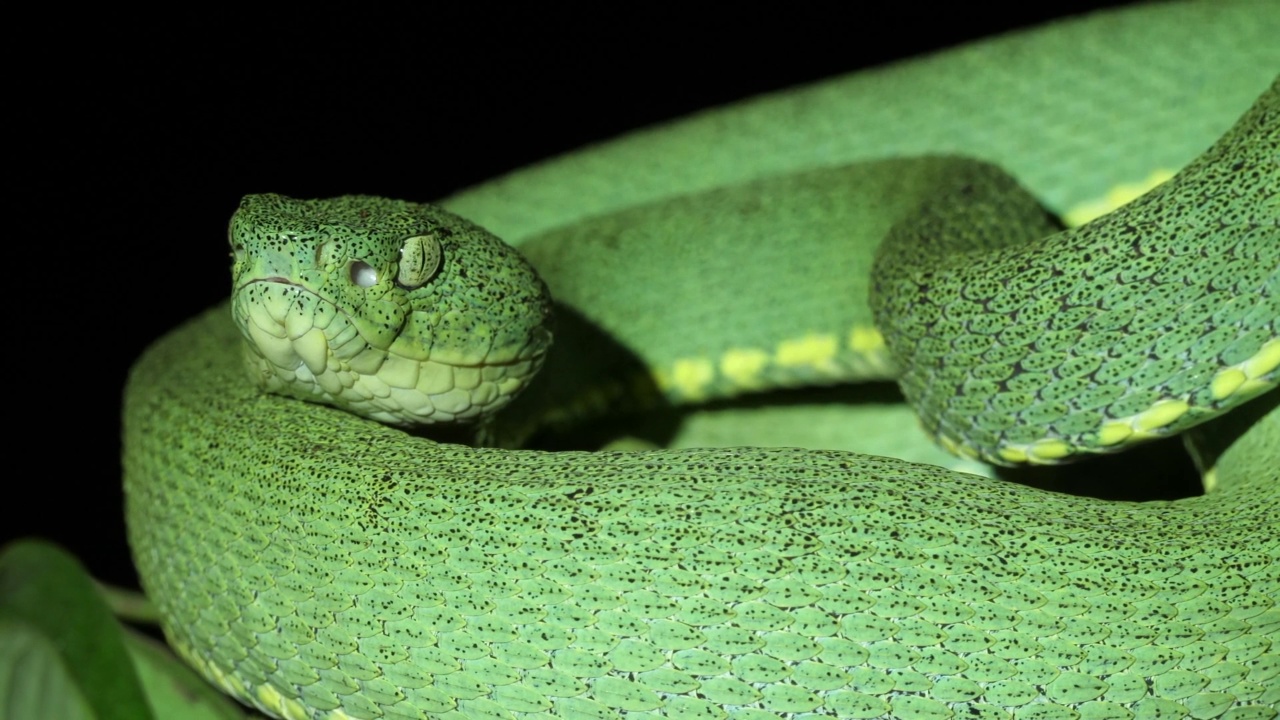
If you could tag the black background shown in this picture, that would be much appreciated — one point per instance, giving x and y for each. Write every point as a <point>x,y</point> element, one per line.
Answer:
<point>132,140</point>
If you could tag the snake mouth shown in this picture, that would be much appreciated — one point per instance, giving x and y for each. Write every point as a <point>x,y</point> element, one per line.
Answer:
<point>274,280</point>
<point>293,326</point>
<point>302,344</point>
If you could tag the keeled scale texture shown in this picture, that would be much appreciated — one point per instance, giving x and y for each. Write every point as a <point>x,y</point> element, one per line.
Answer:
<point>1071,110</point>
<point>372,573</point>
<point>1055,337</point>
<point>754,583</point>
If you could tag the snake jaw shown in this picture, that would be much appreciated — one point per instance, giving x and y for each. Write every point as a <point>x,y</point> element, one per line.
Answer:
<point>300,345</point>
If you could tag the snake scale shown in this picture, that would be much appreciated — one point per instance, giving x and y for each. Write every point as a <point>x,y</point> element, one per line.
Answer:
<point>319,565</point>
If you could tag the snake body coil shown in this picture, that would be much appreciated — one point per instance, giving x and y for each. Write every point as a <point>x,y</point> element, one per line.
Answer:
<point>316,564</point>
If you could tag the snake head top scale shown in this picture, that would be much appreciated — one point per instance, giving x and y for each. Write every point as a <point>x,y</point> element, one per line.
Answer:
<point>398,311</point>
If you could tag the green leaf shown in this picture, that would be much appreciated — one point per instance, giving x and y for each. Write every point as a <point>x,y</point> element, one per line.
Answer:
<point>172,688</point>
<point>48,604</point>
<point>34,681</point>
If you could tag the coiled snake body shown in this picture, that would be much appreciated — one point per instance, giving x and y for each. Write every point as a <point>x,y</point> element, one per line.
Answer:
<point>317,564</point>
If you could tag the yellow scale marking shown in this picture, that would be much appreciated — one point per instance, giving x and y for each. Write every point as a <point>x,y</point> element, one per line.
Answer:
<point>866,340</point>
<point>287,707</point>
<point>814,350</point>
<point>1159,415</point>
<point>1244,377</point>
<point>691,376</point>
<point>1120,195</point>
<point>1139,426</point>
<point>744,367</point>
<point>1114,432</point>
<point>1265,361</point>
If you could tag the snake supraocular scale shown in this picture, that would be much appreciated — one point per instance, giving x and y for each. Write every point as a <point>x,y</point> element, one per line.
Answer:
<point>319,565</point>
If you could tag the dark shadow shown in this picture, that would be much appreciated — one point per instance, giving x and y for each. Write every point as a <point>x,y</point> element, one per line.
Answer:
<point>1158,470</point>
<point>588,380</point>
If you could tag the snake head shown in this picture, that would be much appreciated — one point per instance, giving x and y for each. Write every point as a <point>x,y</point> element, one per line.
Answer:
<point>398,311</point>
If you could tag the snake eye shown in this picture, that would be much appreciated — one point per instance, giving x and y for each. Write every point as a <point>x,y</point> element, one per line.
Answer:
<point>363,274</point>
<point>419,260</point>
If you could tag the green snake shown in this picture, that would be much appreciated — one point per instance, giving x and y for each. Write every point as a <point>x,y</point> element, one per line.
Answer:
<point>317,564</point>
